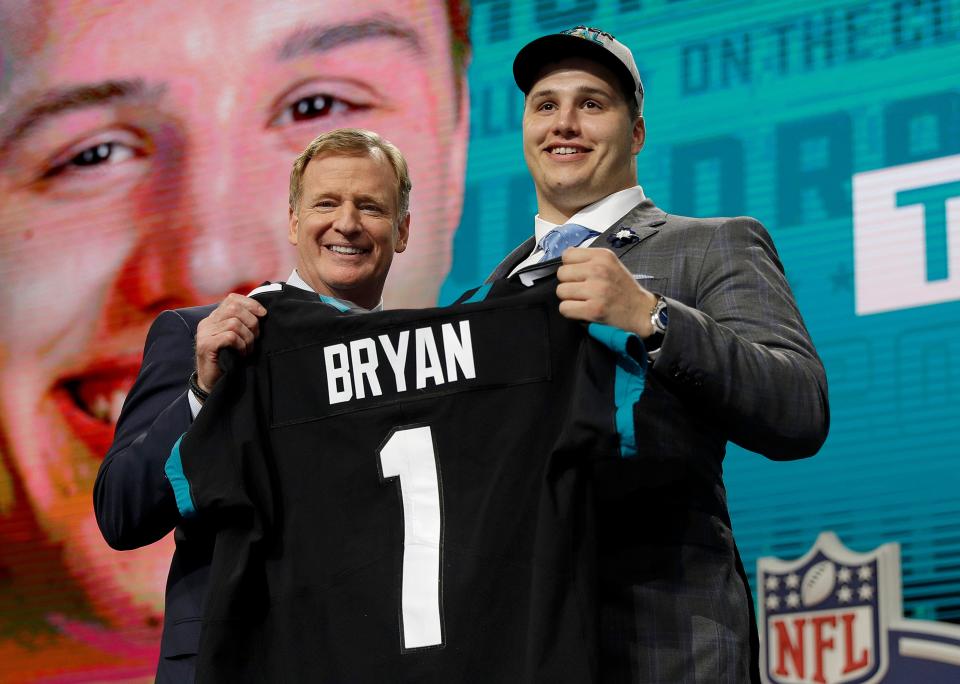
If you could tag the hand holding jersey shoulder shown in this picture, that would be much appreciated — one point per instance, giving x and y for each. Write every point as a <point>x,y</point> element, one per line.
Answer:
<point>234,324</point>
<point>595,286</point>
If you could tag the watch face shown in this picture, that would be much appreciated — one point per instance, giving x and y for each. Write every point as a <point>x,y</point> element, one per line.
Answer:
<point>660,317</point>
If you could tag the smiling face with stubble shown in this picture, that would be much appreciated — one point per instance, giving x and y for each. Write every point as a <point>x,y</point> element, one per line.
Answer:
<point>580,139</point>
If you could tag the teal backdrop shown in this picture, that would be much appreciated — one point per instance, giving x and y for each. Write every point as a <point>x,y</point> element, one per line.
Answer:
<point>837,124</point>
<point>145,149</point>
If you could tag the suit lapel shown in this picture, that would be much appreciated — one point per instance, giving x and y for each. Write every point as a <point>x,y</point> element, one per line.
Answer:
<point>521,252</point>
<point>642,221</point>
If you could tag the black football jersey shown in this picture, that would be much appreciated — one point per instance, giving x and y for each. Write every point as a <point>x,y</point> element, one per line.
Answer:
<point>406,496</point>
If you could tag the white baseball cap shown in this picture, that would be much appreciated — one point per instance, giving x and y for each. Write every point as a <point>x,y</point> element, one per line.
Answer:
<point>580,41</point>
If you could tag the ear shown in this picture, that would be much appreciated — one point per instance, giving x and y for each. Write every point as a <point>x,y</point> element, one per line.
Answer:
<point>457,164</point>
<point>639,135</point>
<point>294,222</point>
<point>403,234</point>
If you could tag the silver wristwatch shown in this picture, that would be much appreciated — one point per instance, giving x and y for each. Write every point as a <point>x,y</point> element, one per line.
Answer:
<point>659,316</point>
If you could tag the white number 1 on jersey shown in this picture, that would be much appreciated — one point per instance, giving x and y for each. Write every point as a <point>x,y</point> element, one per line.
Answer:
<point>408,453</point>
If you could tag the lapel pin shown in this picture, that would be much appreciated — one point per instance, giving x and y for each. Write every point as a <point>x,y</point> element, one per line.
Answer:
<point>623,237</point>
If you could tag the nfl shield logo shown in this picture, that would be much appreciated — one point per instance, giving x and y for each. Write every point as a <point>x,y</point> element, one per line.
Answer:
<point>824,617</point>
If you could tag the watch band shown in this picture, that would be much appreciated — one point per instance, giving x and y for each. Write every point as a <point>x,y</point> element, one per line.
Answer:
<point>198,391</point>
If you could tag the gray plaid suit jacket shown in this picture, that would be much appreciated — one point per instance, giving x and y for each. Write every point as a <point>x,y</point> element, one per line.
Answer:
<point>737,365</point>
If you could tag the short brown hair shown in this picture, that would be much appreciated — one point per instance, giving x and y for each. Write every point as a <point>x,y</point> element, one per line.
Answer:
<point>352,142</point>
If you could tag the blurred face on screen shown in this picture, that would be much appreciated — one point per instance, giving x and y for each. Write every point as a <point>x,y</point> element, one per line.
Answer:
<point>145,151</point>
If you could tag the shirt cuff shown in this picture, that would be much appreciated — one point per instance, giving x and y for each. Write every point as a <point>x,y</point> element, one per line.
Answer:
<point>195,405</point>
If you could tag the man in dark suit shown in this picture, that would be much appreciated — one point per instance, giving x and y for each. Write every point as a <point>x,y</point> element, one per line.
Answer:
<point>349,199</point>
<point>731,360</point>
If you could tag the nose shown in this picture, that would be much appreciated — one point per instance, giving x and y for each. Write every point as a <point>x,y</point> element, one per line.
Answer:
<point>567,121</point>
<point>208,225</point>
<point>348,220</point>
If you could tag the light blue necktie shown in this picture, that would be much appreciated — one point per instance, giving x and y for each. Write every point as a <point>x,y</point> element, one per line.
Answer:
<point>568,235</point>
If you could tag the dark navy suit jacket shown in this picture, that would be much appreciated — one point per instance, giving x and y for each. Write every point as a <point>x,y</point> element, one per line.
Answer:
<point>133,501</point>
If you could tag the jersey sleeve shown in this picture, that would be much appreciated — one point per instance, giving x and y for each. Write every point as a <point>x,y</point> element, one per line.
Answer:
<point>630,370</point>
<point>217,469</point>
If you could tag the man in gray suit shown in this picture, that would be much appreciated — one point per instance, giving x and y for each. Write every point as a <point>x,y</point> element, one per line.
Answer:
<point>731,360</point>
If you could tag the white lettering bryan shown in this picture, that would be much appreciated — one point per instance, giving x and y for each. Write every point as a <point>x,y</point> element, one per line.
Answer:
<point>352,369</point>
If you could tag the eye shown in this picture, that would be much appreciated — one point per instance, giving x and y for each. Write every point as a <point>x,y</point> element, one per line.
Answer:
<point>316,106</point>
<point>546,107</point>
<point>100,154</point>
<point>371,208</point>
<point>591,104</point>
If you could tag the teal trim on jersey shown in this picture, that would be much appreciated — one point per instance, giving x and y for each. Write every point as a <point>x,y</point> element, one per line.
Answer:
<point>628,382</point>
<point>335,303</point>
<point>480,294</point>
<point>178,480</point>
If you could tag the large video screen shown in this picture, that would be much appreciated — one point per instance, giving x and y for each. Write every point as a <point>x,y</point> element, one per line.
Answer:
<point>145,151</point>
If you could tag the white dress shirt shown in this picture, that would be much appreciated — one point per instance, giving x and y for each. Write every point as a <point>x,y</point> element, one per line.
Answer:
<point>597,216</point>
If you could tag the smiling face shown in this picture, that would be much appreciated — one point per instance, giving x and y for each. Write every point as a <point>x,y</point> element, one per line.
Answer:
<point>145,150</point>
<point>579,138</point>
<point>347,227</point>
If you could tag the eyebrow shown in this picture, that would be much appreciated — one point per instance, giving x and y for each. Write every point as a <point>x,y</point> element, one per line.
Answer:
<point>313,39</point>
<point>581,90</point>
<point>326,194</point>
<point>55,102</point>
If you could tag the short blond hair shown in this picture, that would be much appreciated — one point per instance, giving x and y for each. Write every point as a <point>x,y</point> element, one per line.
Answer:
<point>352,142</point>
